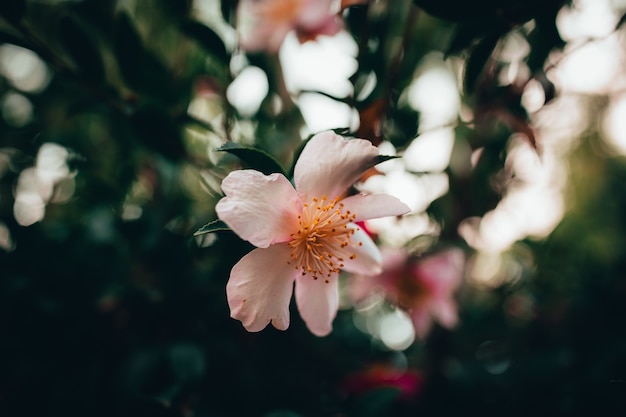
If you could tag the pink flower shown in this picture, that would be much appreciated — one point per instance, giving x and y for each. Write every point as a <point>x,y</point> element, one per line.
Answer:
<point>263,24</point>
<point>305,234</point>
<point>424,287</point>
<point>408,382</point>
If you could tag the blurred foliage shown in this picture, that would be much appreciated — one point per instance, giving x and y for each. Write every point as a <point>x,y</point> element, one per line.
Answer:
<point>109,305</point>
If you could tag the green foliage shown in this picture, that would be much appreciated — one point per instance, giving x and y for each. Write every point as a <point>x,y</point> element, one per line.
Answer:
<point>81,45</point>
<point>207,38</point>
<point>253,157</point>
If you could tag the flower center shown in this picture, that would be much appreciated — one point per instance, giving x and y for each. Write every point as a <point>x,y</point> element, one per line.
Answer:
<point>322,242</point>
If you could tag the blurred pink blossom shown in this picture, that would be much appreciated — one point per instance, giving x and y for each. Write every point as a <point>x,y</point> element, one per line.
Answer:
<point>305,234</point>
<point>424,287</point>
<point>409,383</point>
<point>264,24</point>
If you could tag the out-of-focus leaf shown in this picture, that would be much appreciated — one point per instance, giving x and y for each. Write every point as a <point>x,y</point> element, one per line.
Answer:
<point>544,38</point>
<point>143,71</point>
<point>375,403</point>
<point>621,22</point>
<point>355,19</point>
<point>401,125</point>
<point>228,8</point>
<point>214,226</point>
<point>255,158</point>
<point>177,8</point>
<point>465,34</point>
<point>6,37</point>
<point>477,60</point>
<point>81,45</point>
<point>13,10</point>
<point>459,10</point>
<point>549,90</point>
<point>341,131</point>
<point>207,38</point>
<point>158,131</point>
<point>483,190</point>
<point>383,158</point>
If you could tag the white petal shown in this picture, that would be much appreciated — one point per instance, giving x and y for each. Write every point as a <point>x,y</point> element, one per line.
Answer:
<point>260,287</point>
<point>329,164</point>
<point>373,206</point>
<point>318,302</point>
<point>262,209</point>
<point>367,258</point>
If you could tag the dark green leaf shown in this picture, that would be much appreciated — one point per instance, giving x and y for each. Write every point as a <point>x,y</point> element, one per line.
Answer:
<point>342,131</point>
<point>253,157</point>
<point>464,36</point>
<point>375,403</point>
<point>158,131</point>
<point>621,22</point>
<point>6,37</point>
<point>544,38</point>
<point>478,59</point>
<point>81,45</point>
<point>228,8</point>
<point>214,226</point>
<point>383,158</point>
<point>143,71</point>
<point>177,8</point>
<point>459,10</point>
<point>13,10</point>
<point>207,38</point>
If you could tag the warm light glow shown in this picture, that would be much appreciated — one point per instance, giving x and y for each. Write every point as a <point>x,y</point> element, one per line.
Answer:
<point>17,110</point>
<point>614,124</point>
<point>323,113</point>
<point>23,68</point>
<point>430,151</point>
<point>396,330</point>
<point>247,91</point>
<point>434,93</point>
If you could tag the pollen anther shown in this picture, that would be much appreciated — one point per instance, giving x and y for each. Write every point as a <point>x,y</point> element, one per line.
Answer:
<point>323,235</point>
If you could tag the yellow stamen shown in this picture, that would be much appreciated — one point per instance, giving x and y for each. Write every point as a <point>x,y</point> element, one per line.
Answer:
<point>320,245</point>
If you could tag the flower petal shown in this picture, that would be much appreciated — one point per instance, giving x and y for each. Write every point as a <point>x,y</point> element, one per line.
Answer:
<point>262,209</point>
<point>442,272</point>
<point>318,302</point>
<point>373,206</point>
<point>367,258</point>
<point>421,322</point>
<point>260,287</point>
<point>445,312</point>
<point>329,164</point>
<point>263,25</point>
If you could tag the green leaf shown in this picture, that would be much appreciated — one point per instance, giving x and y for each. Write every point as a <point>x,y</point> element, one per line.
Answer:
<point>464,36</point>
<point>214,226</point>
<point>142,70</point>
<point>177,8</point>
<point>253,157</point>
<point>158,131</point>
<point>229,10</point>
<point>206,37</point>
<point>342,131</point>
<point>13,10</point>
<point>383,158</point>
<point>6,37</point>
<point>375,403</point>
<point>80,43</point>
<point>459,10</point>
<point>478,59</point>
